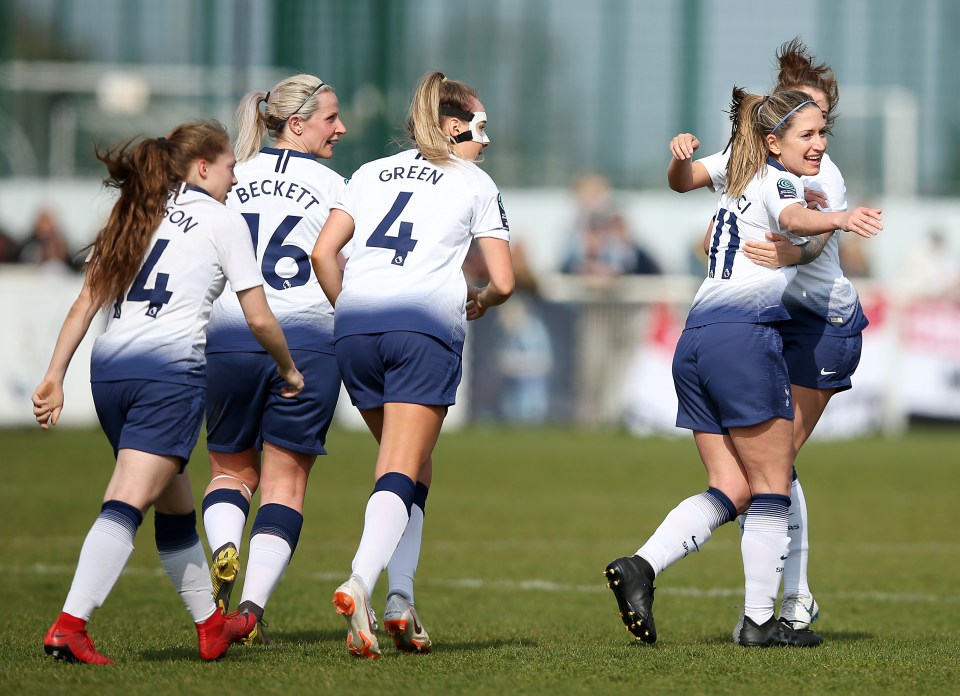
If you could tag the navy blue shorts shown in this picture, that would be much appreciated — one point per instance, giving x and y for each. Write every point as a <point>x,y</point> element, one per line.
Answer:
<point>244,406</point>
<point>730,375</point>
<point>398,366</point>
<point>157,417</point>
<point>822,362</point>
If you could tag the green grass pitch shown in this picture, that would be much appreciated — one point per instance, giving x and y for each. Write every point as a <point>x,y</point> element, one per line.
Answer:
<point>520,524</point>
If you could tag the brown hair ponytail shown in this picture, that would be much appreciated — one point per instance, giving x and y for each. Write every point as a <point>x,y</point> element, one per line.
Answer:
<point>143,172</point>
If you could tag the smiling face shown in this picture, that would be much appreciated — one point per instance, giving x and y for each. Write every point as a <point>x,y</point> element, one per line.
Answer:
<point>319,134</point>
<point>800,146</point>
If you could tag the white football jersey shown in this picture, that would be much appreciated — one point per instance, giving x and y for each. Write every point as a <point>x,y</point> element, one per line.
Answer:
<point>157,331</point>
<point>285,197</point>
<point>736,289</point>
<point>820,299</point>
<point>414,225</point>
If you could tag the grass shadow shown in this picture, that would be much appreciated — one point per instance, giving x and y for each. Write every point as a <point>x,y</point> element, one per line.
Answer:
<point>476,646</point>
<point>848,637</point>
<point>828,637</point>
<point>311,636</point>
<point>338,636</point>
<point>171,654</point>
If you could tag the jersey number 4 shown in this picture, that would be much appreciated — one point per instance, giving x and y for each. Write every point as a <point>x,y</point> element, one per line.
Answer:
<point>403,243</point>
<point>277,250</point>
<point>158,295</point>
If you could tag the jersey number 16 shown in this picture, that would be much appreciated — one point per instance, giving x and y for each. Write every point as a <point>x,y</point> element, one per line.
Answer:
<point>277,250</point>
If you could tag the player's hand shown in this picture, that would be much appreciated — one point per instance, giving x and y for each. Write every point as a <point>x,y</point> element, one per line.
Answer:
<point>475,308</point>
<point>815,199</point>
<point>684,145</point>
<point>47,403</point>
<point>775,253</point>
<point>865,222</point>
<point>294,383</point>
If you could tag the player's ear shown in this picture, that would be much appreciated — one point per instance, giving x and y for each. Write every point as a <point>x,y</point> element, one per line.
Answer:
<point>452,126</point>
<point>773,144</point>
<point>295,124</point>
<point>202,168</point>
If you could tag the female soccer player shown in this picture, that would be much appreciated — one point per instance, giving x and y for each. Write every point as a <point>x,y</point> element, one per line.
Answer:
<point>729,372</point>
<point>284,194</point>
<point>157,266</point>
<point>400,305</point>
<point>823,338</point>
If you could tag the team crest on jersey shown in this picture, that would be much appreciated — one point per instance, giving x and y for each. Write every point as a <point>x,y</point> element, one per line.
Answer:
<point>503,213</point>
<point>786,189</point>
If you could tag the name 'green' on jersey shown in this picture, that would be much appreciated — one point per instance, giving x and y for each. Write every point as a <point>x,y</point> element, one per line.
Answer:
<point>285,197</point>
<point>157,330</point>
<point>414,223</point>
<point>736,289</point>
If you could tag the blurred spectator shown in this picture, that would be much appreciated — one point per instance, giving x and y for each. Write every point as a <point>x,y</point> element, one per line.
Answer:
<point>8,248</point>
<point>47,247</point>
<point>601,244</point>
<point>585,254</point>
<point>594,199</point>
<point>516,375</point>
<point>601,249</point>
<point>933,269</point>
<point>605,247</point>
<point>525,359</point>
<point>642,262</point>
<point>696,258</point>
<point>475,271</point>
<point>853,256</point>
<point>526,279</point>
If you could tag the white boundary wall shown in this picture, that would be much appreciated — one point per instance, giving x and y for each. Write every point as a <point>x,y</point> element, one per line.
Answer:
<point>666,223</point>
<point>33,303</point>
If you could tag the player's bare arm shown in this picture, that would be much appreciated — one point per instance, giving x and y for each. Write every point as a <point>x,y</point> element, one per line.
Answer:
<point>803,222</point>
<point>683,174</point>
<point>778,252</point>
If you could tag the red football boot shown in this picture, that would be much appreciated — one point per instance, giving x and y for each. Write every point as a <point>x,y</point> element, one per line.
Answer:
<point>219,632</point>
<point>67,640</point>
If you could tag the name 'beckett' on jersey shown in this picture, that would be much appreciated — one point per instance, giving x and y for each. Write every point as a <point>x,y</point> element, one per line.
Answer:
<point>285,197</point>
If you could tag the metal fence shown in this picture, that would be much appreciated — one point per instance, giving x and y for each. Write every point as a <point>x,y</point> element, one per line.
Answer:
<point>570,86</point>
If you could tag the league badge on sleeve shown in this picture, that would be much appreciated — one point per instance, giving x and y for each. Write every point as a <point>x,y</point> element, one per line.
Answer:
<point>503,213</point>
<point>786,189</point>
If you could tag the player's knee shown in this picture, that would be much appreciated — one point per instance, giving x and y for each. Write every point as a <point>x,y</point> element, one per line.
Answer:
<point>246,482</point>
<point>738,493</point>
